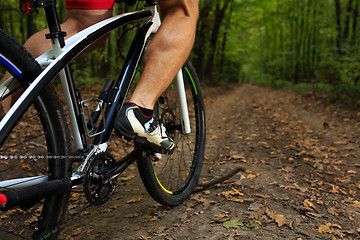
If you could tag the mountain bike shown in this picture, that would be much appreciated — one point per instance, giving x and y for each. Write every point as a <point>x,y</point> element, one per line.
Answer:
<point>41,163</point>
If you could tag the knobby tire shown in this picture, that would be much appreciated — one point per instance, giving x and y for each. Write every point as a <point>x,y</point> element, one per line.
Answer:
<point>42,130</point>
<point>172,178</point>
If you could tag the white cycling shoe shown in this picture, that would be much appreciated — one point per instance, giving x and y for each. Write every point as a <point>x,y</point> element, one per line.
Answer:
<point>132,123</point>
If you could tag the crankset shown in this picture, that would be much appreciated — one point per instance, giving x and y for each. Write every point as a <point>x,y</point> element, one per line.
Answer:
<point>97,187</point>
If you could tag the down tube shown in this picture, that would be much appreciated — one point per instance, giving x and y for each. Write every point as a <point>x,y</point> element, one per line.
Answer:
<point>123,83</point>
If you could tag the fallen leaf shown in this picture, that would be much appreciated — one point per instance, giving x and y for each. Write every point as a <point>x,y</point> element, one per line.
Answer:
<point>327,228</point>
<point>134,200</point>
<point>356,204</point>
<point>237,156</point>
<point>148,218</point>
<point>307,203</point>
<point>206,202</point>
<point>238,200</point>
<point>253,175</point>
<point>76,231</point>
<point>126,178</point>
<point>221,215</point>
<point>346,179</point>
<point>261,196</point>
<point>278,218</point>
<point>324,228</point>
<point>233,223</point>
<point>296,186</point>
<point>229,194</point>
<point>237,192</point>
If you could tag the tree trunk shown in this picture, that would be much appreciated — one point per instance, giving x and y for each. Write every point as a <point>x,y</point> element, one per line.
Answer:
<point>347,20</point>
<point>201,39</point>
<point>223,47</point>
<point>354,25</point>
<point>219,17</point>
<point>338,26</point>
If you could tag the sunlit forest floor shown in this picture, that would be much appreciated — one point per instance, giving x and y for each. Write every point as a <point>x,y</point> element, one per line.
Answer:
<point>301,180</point>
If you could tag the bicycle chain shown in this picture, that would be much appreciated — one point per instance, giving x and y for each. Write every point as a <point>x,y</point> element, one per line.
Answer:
<point>29,157</point>
<point>32,157</point>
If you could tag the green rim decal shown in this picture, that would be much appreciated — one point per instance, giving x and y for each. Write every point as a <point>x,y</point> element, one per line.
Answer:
<point>169,192</point>
<point>192,80</point>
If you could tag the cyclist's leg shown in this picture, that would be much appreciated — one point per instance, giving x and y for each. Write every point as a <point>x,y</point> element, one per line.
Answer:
<point>75,20</point>
<point>168,50</point>
<point>163,58</point>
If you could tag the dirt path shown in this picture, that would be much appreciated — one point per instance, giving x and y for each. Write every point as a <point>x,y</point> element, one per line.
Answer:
<point>301,180</point>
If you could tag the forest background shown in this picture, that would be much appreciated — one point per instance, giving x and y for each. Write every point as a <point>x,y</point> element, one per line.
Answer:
<point>301,44</point>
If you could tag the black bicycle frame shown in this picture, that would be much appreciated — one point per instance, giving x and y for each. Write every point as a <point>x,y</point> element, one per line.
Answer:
<point>122,85</point>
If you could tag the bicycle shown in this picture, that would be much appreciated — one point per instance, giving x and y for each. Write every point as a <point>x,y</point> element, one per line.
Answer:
<point>38,165</point>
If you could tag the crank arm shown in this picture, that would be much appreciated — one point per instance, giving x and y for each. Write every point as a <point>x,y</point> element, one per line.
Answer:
<point>119,167</point>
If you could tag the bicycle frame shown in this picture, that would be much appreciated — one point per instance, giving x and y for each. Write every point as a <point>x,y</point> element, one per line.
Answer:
<point>61,55</point>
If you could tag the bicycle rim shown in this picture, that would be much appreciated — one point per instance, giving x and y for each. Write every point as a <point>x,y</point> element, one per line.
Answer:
<point>41,131</point>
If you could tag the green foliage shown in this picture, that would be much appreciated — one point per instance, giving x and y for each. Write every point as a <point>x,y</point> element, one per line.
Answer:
<point>302,45</point>
<point>282,43</point>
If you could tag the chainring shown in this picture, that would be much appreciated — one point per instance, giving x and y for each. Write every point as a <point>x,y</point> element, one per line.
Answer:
<point>96,191</point>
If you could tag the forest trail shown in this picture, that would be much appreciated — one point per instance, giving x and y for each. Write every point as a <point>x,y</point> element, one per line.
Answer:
<point>302,178</point>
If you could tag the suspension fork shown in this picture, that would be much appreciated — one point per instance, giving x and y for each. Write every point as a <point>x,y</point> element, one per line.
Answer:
<point>181,99</point>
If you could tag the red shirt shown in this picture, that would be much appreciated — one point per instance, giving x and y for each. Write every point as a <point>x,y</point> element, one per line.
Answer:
<point>90,4</point>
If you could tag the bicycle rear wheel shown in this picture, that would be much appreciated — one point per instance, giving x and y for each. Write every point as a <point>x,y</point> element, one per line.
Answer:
<point>172,178</point>
<point>41,131</point>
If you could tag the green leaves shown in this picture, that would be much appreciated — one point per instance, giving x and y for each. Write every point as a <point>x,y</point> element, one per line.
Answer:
<point>234,223</point>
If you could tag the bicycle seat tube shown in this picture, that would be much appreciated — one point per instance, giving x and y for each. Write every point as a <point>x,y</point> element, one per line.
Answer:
<point>57,37</point>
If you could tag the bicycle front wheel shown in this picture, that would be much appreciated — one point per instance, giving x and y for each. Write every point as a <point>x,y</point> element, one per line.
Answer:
<point>41,131</point>
<point>170,179</point>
